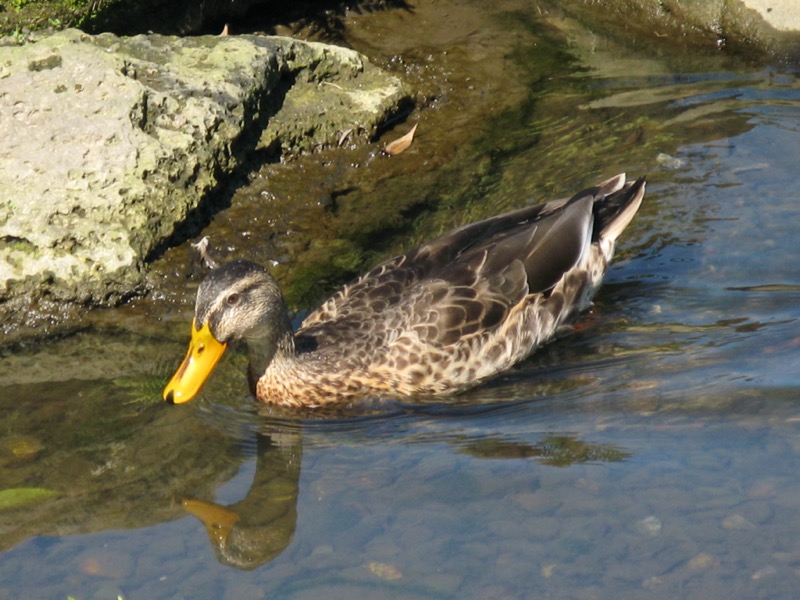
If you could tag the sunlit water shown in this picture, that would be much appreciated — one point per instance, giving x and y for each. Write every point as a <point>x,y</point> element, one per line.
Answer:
<point>654,453</point>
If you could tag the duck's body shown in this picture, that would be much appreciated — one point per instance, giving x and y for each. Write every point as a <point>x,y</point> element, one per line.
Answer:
<point>437,320</point>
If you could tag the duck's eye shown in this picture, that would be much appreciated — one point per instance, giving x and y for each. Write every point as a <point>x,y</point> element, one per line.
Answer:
<point>232,299</point>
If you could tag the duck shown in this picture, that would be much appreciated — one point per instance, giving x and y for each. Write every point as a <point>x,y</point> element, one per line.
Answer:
<point>435,321</point>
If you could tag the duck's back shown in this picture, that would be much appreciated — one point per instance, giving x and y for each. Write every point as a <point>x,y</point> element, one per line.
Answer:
<point>474,301</point>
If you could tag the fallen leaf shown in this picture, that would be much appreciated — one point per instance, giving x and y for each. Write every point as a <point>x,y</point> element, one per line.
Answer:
<point>401,144</point>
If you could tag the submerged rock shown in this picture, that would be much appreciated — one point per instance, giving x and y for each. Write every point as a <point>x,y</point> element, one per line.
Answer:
<point>108,143</point>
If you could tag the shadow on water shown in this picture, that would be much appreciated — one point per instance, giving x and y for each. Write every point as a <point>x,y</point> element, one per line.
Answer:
<point>651,453</point>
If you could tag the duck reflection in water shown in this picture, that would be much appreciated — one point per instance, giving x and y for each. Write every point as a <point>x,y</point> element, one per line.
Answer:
<point>258,528</point>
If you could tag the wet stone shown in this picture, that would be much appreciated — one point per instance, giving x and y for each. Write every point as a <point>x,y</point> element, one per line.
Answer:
<point>107,591</point>
<point>241,590</point>
<point>444,584</point>
<point>758,512</point>
<point>650,526</point>
<point>737,521</point>
<point>325,556</point>
<point>384,570</point>
<point>383,547</point>
<point>767,571</point>
<point>543,528</point>
<point>761,489</point>
<point>653,583</point>
<point>702,561</point>
<point>108,563</point>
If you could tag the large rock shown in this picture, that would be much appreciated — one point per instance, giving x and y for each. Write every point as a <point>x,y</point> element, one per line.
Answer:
<point>783,15</point>
<point>107,143</point>
<point>760,30</point>
<point>771,27</point>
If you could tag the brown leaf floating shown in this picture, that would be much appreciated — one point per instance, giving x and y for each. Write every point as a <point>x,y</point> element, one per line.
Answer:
<point>401,144</point>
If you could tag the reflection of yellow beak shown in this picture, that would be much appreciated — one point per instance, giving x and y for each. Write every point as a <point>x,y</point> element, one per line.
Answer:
<point>204,353</point>
<point>218,520</point>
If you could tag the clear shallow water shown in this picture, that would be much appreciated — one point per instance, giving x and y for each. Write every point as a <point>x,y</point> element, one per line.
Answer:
<point>653,453</point>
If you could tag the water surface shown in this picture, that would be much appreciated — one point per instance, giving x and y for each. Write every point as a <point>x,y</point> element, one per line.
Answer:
<point>653,453</point>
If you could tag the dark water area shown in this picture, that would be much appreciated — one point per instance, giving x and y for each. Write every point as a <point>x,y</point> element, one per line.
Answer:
<point>652,453</point>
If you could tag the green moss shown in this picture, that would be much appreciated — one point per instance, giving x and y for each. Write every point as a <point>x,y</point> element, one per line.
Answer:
<point>15,244</point>
<point>27,15</point>
<point>18,497</point>
<point>323,268</point>
<point>555,450</point>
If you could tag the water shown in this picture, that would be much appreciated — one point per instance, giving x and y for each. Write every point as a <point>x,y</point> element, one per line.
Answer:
<point>653,453</point>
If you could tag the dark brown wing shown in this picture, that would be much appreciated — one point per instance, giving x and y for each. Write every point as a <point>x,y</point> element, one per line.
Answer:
<point>465,281</point>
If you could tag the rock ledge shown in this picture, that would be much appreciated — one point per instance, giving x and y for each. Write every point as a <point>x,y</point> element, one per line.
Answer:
<point>108,143</point>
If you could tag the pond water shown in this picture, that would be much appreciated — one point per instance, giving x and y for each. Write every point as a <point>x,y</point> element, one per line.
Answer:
<point>653,453</point>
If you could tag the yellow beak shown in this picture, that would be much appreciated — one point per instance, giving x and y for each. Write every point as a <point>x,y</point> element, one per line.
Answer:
<point>203,355</point>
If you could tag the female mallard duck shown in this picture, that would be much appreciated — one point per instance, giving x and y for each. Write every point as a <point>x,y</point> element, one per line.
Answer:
<point>433,321</point>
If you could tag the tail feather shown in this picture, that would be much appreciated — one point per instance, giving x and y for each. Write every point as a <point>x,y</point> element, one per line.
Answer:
<point>613,213</point>
<point>611,185</point>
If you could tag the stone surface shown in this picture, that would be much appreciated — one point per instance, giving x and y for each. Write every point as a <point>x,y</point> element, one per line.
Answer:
<point>757,29</point>
<point>108,143</point>
<point>783,15</point>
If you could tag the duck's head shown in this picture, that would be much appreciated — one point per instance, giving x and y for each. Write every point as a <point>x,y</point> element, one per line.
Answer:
<point>238,301</point>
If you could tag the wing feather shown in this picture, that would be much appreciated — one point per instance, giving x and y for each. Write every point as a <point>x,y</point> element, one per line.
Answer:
<point>467,281</point>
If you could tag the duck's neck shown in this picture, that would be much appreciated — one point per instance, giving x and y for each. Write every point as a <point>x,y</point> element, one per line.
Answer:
<point>268,344</point>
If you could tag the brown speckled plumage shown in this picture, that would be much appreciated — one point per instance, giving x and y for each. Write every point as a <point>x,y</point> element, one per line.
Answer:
<point>437,320</point>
